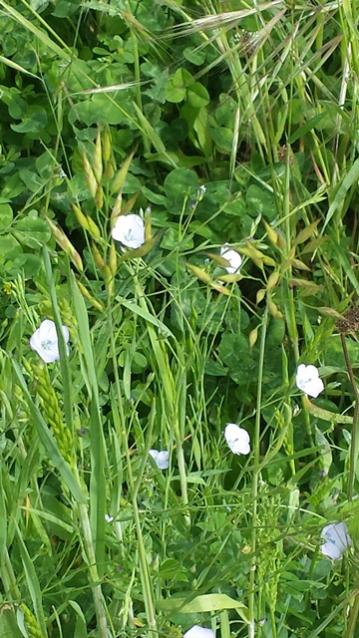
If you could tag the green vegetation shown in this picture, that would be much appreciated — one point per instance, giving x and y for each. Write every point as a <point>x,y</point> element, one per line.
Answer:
<point>226,125</point>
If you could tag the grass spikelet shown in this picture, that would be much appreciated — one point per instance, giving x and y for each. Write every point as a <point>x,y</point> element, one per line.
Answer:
<point>52,412</point>
<point>31,623</point>
<point>99,260</point>
<point>106,145</point>
<point>97,159</point>
<point>86,223</point>
<point>85,293</point>
<point>66,245</point>
<point>90,176</point>
<point>112,260</point>
<point>219,20</point>
<point>120,177</point>
<point>90,298</point>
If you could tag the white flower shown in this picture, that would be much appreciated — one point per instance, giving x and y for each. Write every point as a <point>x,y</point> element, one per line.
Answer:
<point>308,380</point>
<point>108,518</point>
<point>129,230</point>
<point>44,341</point>
<point>337,540</point>
<point>237,439</point>
<point>161,458</point>
<point>199,632</point>
<point>234,259</point>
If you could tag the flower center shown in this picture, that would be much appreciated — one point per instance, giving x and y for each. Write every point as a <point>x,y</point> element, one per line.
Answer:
<point>48,344</point>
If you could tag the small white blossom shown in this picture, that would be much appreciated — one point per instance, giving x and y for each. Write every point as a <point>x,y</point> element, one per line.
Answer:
<point>161,458</point>
<point>129,230</point>
<point>199,632</point>
<point>232,257</point>
<point>237,439</point>
<point>336,540</point>
<point>308,380</point>
<point>44,341</point>
<point>108,518</point>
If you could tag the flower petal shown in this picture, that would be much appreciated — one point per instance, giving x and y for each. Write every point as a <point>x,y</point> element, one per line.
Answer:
<point>129,230</point>
<point>199,632</point>
<point>237,439</point>
<point>44,341</point>
<point>337,540</point>
<point>161,458</point>
<point>307,380</point>
<point>233,258</point>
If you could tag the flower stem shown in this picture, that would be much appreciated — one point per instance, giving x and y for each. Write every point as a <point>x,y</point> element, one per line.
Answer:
<point>256,473</point>
<point>354,439</point>
<point>94,578</point>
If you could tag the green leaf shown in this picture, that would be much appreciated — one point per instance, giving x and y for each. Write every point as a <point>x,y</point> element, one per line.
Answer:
<point>348,181</point>
<point>177,84</point>
<point>141,312</point>
<point>98,444</point>
<point>202,604</point>
<point>194,55</point>
<point>198,95</point>
<point>260,201</point>
<point>8,624</point>
<point>6,216</point>
<point>179,184</point>
<point>325,452</point>
<point>32,231</point>
<point>9,247</point>
<point>32,583</point>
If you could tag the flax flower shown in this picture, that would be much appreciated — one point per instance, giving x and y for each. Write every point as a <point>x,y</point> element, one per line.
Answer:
<point>44,341</point>
<point>237,439</point>
<point>336,540</point>
<point>307,379</point>
<point>129,230</point>
<point>161,458</point>
<point>232,257</point>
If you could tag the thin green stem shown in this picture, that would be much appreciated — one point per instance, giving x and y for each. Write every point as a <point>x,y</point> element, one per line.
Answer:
<point>145,577</point>
<point>354,439</point>
<point>97,595</point>
<point>255,482</point>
